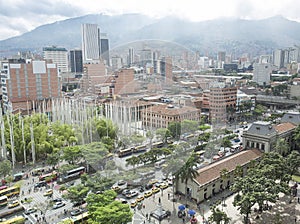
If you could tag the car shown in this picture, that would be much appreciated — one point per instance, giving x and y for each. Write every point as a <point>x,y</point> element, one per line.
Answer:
<point>121,182</point>
<point>78,203</point>
<point>164,186</point>
<point>140,198</point>
<point>76,212</point>
<point>132,194</point>
<point>122,200</point>
<point>30,210</point>
<point>153,181</point>
<point>14,204</point>
<point>157,184</point>
<point>125,192</point>
<point>155,190</point>
<point>148,186</point>
<point>57,199</point>
<point>40,184</point>
<point>48,192</point>
<point>58,204</point>
<point>147,194</point>
<point>133,204</point>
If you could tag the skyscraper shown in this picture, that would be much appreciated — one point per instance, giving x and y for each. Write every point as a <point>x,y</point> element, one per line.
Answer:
<point>76,61</point>
<point>130,56</point>
<point>104,48</point>
<point>90,42</point>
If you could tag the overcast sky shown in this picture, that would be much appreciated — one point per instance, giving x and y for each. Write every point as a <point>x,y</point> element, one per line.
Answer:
<point>20,16</point>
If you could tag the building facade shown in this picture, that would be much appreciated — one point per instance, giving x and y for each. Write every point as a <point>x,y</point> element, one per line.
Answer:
<point>27,83</point>
<point>222,103</point>
<point>90,42</point>
<point>159,116</point>
<point>104,48</point>
<point>76,61</point>
<point>57,55</point>
<point>209,181</point>
<point>262,73</point>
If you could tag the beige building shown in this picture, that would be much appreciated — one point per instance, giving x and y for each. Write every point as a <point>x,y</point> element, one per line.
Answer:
<point>209,181</point>
<point>263,135</point>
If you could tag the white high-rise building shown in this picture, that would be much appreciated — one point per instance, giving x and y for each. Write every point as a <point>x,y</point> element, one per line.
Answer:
<point>90,42</point>
<point>58,56</point>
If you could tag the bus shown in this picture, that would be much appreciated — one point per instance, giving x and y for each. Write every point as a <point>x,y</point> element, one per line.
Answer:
<point>11,191</point>
<point>157,144</point>
<point>3,201</point>
<point>74,173</point>
<point>15,220</point>
<point>3,187</point>
<point>140,148</point>
<point>49,177</point>
<point>18,176</point>
<point>82,218</point>
<point>125,152</point>
<point>158,164</point>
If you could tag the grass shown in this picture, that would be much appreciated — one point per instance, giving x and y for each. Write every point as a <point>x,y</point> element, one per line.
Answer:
<point>296,178</point>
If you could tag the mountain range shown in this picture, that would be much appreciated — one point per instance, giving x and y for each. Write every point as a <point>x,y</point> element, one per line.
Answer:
<point>235,36</point>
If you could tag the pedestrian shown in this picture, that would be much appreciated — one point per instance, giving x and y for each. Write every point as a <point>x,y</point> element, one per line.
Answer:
<point>298,199</point>
<point>183,220</point>
<point>168,196</point>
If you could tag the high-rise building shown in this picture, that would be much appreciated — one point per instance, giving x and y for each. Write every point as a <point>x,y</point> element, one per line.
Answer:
<point>25,84</point>
<point>130,56</point>
<point>76,61</point>
<point>90,42</point>
<point>58,55</point>
<point>278,58</point>
<point>222,102</point>
<point>262,73</point>
<point>104,48</point>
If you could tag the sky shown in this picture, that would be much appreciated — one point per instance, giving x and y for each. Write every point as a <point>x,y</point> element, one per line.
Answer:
<point>20,16</point>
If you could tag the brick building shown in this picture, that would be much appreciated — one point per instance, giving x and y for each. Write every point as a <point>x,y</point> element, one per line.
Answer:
<point>159,116</point>
<point>28,84</point>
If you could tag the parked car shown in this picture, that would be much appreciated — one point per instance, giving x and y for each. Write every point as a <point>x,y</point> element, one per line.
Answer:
<point>58,204</point>
<point>76,212</point>
<point>132,194</point>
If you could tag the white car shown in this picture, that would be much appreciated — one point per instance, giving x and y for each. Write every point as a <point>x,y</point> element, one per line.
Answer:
<point>58,205</point>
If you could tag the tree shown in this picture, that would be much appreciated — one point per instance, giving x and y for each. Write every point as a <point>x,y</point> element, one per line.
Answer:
<point>175,129</point>
<point>5,168</point>
<point>72,154</point>
<point>163,134</point>
<point>187,172</point>
<point>133,161</point>
<point>103,208</point>
<point>77,193</point>
<point>282,147</point>
<point>296,137</point>
<point>218,216</point>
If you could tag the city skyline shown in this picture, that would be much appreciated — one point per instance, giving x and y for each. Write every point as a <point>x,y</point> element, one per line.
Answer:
<point>21,17</point>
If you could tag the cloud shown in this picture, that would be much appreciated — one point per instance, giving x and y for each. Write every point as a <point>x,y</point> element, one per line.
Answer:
<point>19,16</point>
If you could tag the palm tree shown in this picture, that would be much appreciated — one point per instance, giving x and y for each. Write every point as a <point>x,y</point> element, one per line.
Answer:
<point>188,172</point>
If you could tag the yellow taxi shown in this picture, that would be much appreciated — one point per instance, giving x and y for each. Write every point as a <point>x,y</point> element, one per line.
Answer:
<point>13,204</point>
<point>133,203</point>
<point>155,190</point>
<point>163,186</point>
<point>140,198</point>
<point>116,188</point>
<point>147,194</point>
<point>48,192</point>
<point>154,181</point>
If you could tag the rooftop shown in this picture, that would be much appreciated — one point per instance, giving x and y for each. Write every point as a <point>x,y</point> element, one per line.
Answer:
<point>292,117</point>
<point>284,127</point>
<point>212,171</point>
